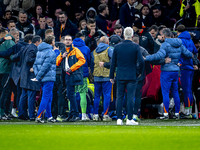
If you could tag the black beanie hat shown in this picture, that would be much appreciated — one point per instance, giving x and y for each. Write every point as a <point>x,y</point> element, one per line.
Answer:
<point>138,24</point>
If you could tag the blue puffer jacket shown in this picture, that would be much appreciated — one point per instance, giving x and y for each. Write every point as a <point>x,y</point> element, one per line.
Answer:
<point>187,63</point>
<point>172,48</point>
<point>45,63</point>
<point>80,44</point>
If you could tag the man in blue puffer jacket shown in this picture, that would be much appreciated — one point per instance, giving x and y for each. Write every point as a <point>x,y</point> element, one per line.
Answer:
<point>45,71</point>
<point>83,89</point>
<point>187,70</point>
<point>172,48</point>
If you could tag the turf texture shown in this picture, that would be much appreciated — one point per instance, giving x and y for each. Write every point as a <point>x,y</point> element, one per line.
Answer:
<point>149,135</point>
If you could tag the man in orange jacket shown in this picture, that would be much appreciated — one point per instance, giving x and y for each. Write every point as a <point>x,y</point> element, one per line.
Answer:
<point>71,60</point>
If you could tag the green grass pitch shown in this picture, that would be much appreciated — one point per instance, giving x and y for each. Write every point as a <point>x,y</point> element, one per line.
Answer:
<point>149,135</point>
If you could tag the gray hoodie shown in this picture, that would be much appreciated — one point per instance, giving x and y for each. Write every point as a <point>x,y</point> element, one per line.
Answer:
<point>91,8</point>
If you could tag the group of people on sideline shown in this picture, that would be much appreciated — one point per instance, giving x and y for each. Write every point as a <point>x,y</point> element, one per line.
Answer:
<point>98,67</point>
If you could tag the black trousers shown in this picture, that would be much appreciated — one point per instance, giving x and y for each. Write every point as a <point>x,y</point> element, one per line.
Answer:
<point>138,96</point>
<point>130,86</point>
<point>58,102</point>
<point>195,86</point>
<point>5,91</point>
<point>17,90</point>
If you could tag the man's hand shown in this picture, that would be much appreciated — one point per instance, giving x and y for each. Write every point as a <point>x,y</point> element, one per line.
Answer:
<point>8,38</point>
<point>112,81</point>
<point>160,38</point>
<point>195,67</point>
<point>101,64</point>
<point>187,7</point>
<point>64,55</point>
<point>69,71</point>
<point>42,26</point>
<point>56,48</point>
<point>31,70</point>
<point>144,57</point>
<point>168,60</point>
<point>92,32</point>
<point>67,3</point>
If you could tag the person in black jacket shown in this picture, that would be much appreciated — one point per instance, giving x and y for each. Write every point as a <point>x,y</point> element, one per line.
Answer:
<point>146,40</point>
<point>42,27</point>
<point>7,17</point>
<point>125,57</point>
<point>158,18</point>
<point>24,25</point>
<point>65,27</point>
<point>101,18</point>
<point>114,15</point>
<point>92,34</point>
<point>26,58</point>
<point>127,14</point>
<point>172,9</point>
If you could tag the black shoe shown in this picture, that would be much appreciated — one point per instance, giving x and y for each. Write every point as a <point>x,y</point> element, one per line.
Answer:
<point>67,119</point>
<point>6,117</point>
<point>177,117</point>
<point>183,116</point>
<point>32,119</point>
<point>11,116</point>
<point>51,119</point>
<point>22,118</point>
<point>74,119</point>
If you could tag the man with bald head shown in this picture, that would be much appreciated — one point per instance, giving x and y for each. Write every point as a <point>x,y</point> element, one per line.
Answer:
<point>100,67</point>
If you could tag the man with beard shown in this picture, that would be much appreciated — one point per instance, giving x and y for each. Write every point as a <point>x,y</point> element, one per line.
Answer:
<point>78,17</point>
<point>92,34</point>
<point>101,18</point>
<point>158,18</point>
<point>64,27</point>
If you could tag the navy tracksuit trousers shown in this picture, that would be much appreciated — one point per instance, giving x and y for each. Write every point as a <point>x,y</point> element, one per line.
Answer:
<point>169,82</point>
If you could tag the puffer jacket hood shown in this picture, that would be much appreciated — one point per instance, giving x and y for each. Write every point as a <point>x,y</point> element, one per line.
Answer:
<point>176,43</point>
<point>101,47</point>
<point>187,43</point>
<point>44,46</point>
<point>91,8</point>
<point>185,35</point>
<point>80,44</point>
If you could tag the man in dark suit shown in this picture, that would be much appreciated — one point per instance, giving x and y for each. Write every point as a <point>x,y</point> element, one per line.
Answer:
<point>27,57</point>
<point>126,55</point>
<point>127,14</point>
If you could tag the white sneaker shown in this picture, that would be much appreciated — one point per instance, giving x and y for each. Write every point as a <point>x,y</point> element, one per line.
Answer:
<point>106,118</point>
<point>119,122</point>
<point>96,117</point>
<point>14,112</point>
<point>83,117</point>
<point>87,118</point>
<point>131,122</point>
